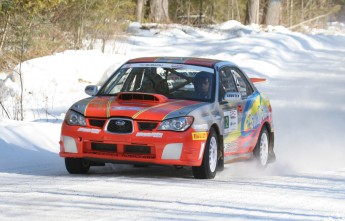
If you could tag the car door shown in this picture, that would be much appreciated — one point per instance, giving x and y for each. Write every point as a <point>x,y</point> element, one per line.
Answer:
<point>232,112</point>
<point>246,112</point>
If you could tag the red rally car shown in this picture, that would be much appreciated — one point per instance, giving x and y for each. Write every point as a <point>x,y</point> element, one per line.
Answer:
<point>171,111</point>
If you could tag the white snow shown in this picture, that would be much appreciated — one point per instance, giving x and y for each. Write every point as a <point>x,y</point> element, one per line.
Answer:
<point>305,81</point>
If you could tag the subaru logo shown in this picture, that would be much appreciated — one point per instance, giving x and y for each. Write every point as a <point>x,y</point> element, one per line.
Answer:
<point>120,122</point>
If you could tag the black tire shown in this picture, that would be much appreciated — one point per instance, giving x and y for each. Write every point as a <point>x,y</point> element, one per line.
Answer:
<point>261,150</point>
<point>77,165</point>
<point>208,167</point>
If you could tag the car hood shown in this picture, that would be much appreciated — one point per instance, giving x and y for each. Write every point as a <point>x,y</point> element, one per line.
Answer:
<point>110,106</point>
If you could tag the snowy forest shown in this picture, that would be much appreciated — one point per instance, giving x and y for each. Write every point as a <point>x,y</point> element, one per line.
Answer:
<point>35,28</point>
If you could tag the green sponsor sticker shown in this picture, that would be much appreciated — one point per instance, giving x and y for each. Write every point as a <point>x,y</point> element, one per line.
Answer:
<point>227,124</point>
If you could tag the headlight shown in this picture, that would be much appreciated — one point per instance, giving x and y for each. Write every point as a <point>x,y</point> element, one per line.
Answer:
<point>176,124</point>
<point>74,118</point>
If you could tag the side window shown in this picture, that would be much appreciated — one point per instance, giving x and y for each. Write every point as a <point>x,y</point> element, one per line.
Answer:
<point>242,84</point>
<point>226,81</point>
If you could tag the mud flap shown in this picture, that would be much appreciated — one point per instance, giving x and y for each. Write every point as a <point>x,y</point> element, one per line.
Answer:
<point>271,154</point>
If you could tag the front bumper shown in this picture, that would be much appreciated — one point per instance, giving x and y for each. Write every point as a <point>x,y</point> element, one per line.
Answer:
<point>153,147</point>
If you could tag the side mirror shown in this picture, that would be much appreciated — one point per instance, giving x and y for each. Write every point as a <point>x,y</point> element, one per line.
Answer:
<point>232,96</point>
<point>91,90</point>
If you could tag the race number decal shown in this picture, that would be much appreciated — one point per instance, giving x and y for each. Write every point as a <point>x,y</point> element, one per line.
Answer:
<point>230,121</point>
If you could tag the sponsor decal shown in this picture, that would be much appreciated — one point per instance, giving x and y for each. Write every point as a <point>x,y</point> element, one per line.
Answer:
<point>152,65</point>
<point>226,122</point>
<point>231,147</point>
<point>232,95</point>
<point>168,65</point>
<point>200,127</point>
<point>138,65</point>
<point>256,114</point>
<point>89,130</point>
<point>126,108</point>
<point>230,121</point>
<point>199,135</point>
<point>153,134</point>
<point>176,66</point>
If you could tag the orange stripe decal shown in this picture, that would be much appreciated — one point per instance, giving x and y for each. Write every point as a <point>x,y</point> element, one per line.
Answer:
<point>108,106</point>
<point>88,105</point>
<point>149,108</point>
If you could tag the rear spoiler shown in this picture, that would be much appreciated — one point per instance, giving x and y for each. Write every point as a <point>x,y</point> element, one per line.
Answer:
<point>257,80</point>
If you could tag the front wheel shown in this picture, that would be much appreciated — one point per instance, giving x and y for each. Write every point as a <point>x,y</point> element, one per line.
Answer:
<point>261,151</point>
<point>77,165</point>
<point>207,169</point>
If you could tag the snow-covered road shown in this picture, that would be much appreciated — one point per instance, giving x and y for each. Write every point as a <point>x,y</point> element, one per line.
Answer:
<point>306,78</point>
<point>124,192</point>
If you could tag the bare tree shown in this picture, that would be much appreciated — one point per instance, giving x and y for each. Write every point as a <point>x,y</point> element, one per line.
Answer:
<point>139,13</point>
<point>252,12</point>
<point>334,10</point>
<point>4,32</point>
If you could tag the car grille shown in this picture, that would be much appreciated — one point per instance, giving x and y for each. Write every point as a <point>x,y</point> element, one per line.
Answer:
<point>137,149</point>
<point>96,122</point>
<point>120,126</point>
<point>118,151</point>
<point>147,125</point>
<point>103,147</point>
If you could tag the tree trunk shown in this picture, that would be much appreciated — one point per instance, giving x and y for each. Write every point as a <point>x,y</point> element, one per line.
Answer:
<point>291,13</point>
<point>140,4</point>
<point>8,116</point>
<point>159,10</point>
<point>80,26</point>
<point>238,11</point>
<point>201,13</point>
<point>272,12</point>
<point>21,110</point>
<point>4,33</point>
<point>252,13</point>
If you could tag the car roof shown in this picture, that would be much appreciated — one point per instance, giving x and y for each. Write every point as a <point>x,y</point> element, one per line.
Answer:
<point>177,60</point>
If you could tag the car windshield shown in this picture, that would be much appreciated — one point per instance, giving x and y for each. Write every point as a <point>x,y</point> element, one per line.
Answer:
<point>175,81</point>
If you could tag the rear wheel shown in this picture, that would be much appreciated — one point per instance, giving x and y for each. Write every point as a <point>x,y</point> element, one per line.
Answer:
<point>261,151</point>
<point>77,165</point>
<point>207,169</point>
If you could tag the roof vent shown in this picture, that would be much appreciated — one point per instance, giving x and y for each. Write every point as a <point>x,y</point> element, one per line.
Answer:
<point>129,96</point>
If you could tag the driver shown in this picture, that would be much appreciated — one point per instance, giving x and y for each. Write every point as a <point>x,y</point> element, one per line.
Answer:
<point>202,85</point>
